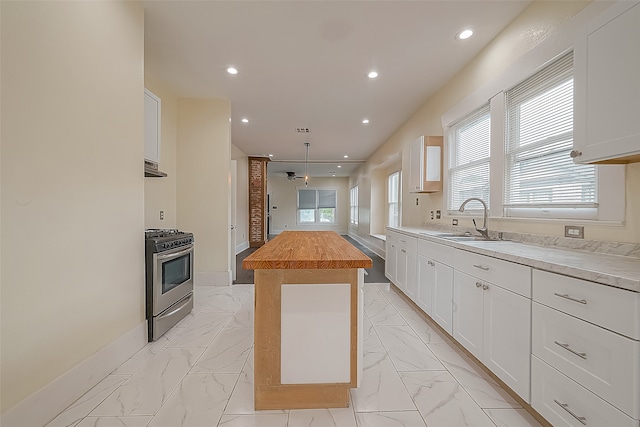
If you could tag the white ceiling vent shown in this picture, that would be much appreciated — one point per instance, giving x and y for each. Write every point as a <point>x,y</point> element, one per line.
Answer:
<point>302,130</point>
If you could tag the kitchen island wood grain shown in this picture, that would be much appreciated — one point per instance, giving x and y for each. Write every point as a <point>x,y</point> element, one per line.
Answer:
<point>308,320</point>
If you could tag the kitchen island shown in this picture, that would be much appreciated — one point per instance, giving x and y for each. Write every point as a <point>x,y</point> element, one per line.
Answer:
<point>308,320</point>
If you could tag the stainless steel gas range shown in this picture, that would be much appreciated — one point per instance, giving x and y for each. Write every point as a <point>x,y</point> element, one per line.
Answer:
<point>169,278</point>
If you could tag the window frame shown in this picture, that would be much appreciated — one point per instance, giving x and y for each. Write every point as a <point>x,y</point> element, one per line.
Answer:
<point>398,202</point>
<point>353,206</point>
<point>316,210</point>
<point>611,178</point>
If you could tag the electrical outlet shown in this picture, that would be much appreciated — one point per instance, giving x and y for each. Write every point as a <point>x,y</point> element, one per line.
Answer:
<point>438,214</point>
<point>285,226</point>
<point>574,231</point>
<point>431,214</point>
<point>161,215</point>
<point>243,235</point>
<point>416,201</point>
<point>454,221</point>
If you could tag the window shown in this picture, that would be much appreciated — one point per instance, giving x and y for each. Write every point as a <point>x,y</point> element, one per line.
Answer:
<point>394,199</point>
<point>353,203</point>
<point>469,154</point>
<point>316,206</point>
<point>540,177</point>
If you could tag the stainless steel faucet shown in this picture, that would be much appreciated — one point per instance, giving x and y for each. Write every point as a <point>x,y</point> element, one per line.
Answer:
<point>483,230</point>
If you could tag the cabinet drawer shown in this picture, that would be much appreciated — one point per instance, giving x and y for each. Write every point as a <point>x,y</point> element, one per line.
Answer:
<point>407,243</point>
<point>511,276</point>
<point>442,253</point>
<point>562,401</point>
<point>612,308</point>
<point>608,364</point>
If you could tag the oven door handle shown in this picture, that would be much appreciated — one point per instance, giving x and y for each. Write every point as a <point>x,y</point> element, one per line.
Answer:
<point>175,254</point>
<point>182,302</point>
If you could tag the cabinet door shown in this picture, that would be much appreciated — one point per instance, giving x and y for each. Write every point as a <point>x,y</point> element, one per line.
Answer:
<point>443,297</point>
<point>401,269</point>
<point>468,312</point>
<point>507,338</point>
<point>607,93</point>
<point>415,165</point>
<point>426,284</point>
<point>391,254</point>
<point>151,127</point>
<point>411,283</point>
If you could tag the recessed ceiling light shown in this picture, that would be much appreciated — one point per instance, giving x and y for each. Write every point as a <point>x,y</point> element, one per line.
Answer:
<point>339,166</point>
<point>270,155</point>
<point>232,70</point>
<point>346,157</point>
<point>245,120</point>
<point>373,74</point>
<point>464,34</point>
<point>365,121</point>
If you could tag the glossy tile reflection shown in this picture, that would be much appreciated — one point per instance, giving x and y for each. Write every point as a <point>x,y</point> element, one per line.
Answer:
<point>200,373</point>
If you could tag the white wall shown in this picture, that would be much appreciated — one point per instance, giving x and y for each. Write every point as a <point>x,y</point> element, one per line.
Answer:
<point>284,196</point>
<point>160,193</point>
<point>543,22</point>
<point>242,198</point>
<point>203,186</point>
<point>72,185</point>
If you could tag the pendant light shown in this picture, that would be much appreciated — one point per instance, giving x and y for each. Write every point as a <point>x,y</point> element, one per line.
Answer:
<point>306,165</point>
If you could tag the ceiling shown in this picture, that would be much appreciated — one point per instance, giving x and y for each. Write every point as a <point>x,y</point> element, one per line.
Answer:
<point>304,64</point>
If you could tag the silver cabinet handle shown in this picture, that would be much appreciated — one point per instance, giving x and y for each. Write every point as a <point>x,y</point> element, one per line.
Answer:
<point>481,267</point>
<point>485,287</point>
<point>570,298</point>
<point>569,349</point>
<point>575,153</point>
<point>478,285</point>
<point>565,406</point>
<point>431,263</point>
<point>403,241</point>
<point>402,250</point>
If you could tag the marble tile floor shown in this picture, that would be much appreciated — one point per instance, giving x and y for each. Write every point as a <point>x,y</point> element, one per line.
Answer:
<point>200,373</point>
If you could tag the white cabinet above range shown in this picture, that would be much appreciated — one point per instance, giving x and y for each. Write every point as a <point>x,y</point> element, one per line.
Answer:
<point>152,120</point>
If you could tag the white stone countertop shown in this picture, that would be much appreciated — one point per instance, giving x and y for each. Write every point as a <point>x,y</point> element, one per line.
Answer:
<point>614,270</point>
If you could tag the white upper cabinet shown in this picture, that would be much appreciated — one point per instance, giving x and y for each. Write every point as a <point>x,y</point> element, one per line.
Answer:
<point>607,88</point>
<point>425,165</point>
<point>152,112</point>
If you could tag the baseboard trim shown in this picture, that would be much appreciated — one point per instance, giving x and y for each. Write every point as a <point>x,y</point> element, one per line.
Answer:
<point>45,404</point>
<point>241,247</point>
<point>365,243</point>
<point>212,278</point>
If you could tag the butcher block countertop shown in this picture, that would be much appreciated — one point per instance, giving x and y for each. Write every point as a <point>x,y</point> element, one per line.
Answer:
<point>307,250</point>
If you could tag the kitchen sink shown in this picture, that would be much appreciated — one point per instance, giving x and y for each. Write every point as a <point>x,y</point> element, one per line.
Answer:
<point>458,237</point>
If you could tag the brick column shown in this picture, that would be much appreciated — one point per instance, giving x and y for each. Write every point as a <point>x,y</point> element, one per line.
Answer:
<point>257,201</point>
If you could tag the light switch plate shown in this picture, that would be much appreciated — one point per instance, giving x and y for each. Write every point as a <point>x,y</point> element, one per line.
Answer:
<point>574,231</point>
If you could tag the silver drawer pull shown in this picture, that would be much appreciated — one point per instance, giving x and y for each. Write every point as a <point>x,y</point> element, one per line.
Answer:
<point>478,285</point>
<point>402,250</point>
<point>565,406</point>
<point>403,241</point>
<point>485,287</point>
<point>481,267</point>
<point>570,350</point>
<point>431,263</point>
<point>566,296</point>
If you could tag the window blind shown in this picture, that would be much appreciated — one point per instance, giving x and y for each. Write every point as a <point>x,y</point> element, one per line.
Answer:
<point>326,199</point>
<point>306,199</point>
<point>539,172</point>
<point>469,155</point>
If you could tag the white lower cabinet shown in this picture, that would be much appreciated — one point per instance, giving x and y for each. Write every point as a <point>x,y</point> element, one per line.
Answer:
<point>401,266</point>
<point>434,293</point>
<point>565,403</point>
<point>391,257</point>
<point>583,343</point>
<point>443,297</point>
<point>494,324</point>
